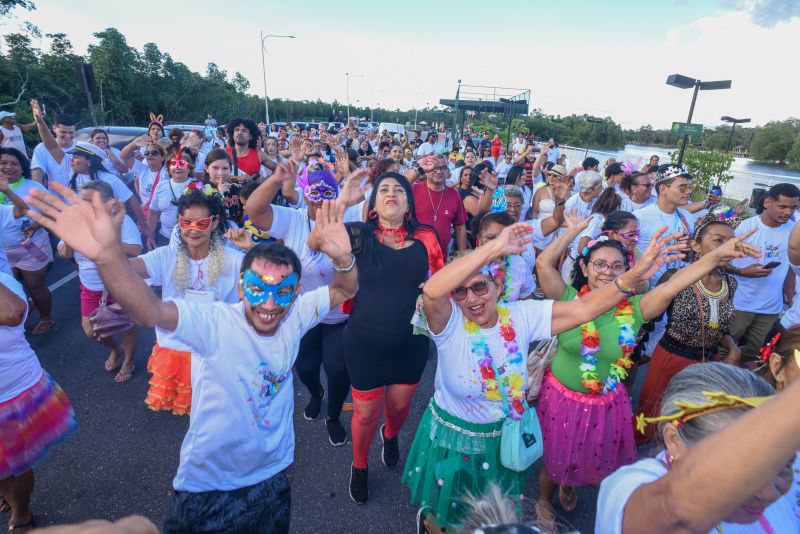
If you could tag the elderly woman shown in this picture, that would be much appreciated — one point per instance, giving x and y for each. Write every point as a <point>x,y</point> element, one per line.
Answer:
<point>699,482</point>
<point>482,372</point>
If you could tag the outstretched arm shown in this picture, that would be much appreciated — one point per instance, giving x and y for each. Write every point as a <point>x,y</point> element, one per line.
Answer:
<point>560,195</point>
<point>549,277</point>
<point>332,238</point>
<point>655,301</point>
<point>20,208</point>
<point>93,229</point>
<point>44,133</point>
<point>259,205</point>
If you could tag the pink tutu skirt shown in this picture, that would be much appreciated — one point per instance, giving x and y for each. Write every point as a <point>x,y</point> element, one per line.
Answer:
<point>586,437</point>
<point>31,424</point>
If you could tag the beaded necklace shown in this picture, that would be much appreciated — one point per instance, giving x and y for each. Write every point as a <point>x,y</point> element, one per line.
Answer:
<point>514,382</point>
<point>590,345</point>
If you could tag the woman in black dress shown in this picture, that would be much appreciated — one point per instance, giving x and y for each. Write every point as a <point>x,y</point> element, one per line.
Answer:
<point>384,359</point>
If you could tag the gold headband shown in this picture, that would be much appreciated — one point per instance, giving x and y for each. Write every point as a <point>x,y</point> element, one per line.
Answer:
<point>719,402</point>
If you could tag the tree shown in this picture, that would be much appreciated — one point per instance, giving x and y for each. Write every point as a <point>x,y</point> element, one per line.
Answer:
<point>793,157</point>
<point>6,6</point>
<point>773,141</point>
<point>706,168</point>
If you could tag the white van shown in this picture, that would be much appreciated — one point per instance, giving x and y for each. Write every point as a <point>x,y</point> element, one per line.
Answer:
<point>392,128</point>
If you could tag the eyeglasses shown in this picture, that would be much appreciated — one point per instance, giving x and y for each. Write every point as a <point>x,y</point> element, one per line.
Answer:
<point>686,188</point>
<point>441,168</point>
<point>602,266</point>
<point>196,224</point>
<point>630,234</point>
<point>179,163</point>
<point>152,153</point>
<point>646,184</point>
<point>478,289</point>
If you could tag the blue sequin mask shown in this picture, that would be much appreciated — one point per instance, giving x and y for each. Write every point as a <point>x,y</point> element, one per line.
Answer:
<point>257,289</point>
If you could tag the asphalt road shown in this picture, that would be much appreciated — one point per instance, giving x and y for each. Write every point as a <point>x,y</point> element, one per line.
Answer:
<point>124,456</point>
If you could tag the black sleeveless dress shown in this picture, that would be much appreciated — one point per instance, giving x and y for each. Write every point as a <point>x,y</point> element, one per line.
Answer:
<point>379,345</point>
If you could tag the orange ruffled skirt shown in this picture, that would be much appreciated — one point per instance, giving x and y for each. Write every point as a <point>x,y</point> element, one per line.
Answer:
<point>171,383</point>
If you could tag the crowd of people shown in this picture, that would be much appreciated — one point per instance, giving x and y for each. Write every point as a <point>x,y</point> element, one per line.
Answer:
<point>541,285</point>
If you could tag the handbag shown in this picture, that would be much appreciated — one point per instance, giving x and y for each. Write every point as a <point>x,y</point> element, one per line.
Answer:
<point>521,439</point>
<point>109,319</point>
<point>539,360</point>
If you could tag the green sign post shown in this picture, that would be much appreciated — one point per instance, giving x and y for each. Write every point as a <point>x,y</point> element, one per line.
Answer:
<point>684,128</point>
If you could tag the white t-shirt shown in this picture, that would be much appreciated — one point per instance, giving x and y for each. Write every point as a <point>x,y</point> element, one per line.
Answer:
<point>458,384</point>
<point>145,179</point>
<point>522,283</point>
<point>537,237</point>
<point>160,264</point>
<point>617,488</point>
<point>502,168</point>
<point>651,219</point>
<point>241,430</point>
<point>293,226</point>
<point>63,175</point>
<point>165,201</point>
<point>575,202</point>
<point>11,228</point>
<point>109,165</point>
<point>13,139</point>
<point>763,295</point>
<point>87,269</point>
<point>636,206</point>
<point>19,366</point>
<point>425,149</point>
<point>792,315</point>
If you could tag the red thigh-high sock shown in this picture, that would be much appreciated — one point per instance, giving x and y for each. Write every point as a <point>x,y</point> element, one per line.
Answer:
<point>396,407</point>
<point>366,413</point>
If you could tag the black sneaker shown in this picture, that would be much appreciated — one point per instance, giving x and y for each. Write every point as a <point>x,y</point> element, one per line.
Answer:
<point>391,450</point>
<point>311,413</point>
<point>358,485</point>
<point>336,433</point>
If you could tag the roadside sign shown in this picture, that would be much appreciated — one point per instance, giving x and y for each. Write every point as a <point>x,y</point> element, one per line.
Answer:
<point>683,128</point>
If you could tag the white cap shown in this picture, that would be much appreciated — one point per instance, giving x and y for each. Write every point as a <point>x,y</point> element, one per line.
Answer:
<point>4,114</point>
<point>87,149</point>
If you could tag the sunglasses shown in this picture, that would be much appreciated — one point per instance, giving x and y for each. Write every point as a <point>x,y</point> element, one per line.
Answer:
<point>630,234</point>
<point>602,266</point>
<point>196,224</point>
<point>152,153</point>
<point>478,289</point>
<point>179,163</point>
<point>686,188</point>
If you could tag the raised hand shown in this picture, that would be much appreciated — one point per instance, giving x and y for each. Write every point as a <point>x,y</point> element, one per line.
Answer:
<point>658,253</point>
<point>428,163</point>
<point>513,239</point>
<point>240,238</point>
<point>296,148</point>
<point>342,164</point>
<point>742,206</point>
<point>351,193</point>
<point>489,180</point>
<point>285,171</point>
<point>575,221</point>
<point>560,191</point>
<point>142,140</point>
<point>330,234</point>
<point>93,229</point>
<point>37,110</point>
<point>737,248</point>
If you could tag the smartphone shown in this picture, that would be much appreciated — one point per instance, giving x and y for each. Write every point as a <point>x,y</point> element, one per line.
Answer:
<point>771,265</point>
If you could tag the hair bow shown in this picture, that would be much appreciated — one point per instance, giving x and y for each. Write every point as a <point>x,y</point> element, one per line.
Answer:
<point>767,349</point>
<point>593,242</point>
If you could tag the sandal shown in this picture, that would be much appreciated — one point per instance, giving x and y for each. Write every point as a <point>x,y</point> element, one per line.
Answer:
<point>545,517</point>
<point>29,525</point>
<point>124,375</point>
<point>117,363</point>
<point>568,498</point>
<point>42,327</point>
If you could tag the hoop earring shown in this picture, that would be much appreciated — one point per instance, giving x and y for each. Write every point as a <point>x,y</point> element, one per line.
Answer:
<point>373,214</point>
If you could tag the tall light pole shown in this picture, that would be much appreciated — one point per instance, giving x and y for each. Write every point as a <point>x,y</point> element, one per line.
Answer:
<point>733,122</point>
<point>348,76</point>
<point>684,82</point>
<point>264,68</point>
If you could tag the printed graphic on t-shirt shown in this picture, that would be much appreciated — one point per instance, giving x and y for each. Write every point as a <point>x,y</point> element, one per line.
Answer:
<point>262,389</point>
<point>772,252</point>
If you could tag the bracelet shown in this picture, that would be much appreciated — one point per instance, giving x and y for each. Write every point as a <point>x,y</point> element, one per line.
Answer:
<point>561,203</point>
<point>630,292</point>
<point>345,269</point>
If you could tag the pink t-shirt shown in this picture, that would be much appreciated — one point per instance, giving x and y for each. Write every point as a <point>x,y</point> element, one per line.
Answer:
<point>440,209</point>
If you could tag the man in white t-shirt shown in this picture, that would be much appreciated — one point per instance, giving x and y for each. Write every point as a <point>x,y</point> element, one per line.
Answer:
<point>759,296</point>
<point>11,132</point>
<point>231,476</point>
<point>429,146</point>
<point>520,144</point>
<point>42,163</point>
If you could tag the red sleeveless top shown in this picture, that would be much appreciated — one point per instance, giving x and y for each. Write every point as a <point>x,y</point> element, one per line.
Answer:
<point>249,164</point>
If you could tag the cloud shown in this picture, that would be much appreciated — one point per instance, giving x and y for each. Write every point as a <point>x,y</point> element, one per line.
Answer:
<point>766,13</point>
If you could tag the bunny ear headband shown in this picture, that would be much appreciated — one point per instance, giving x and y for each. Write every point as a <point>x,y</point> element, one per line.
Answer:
<point>156,120</point>
<point>630,167</point>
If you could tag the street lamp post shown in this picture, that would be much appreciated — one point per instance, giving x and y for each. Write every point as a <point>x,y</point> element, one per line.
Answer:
<point>264,68</point>
<point>684,82</point>
<point>348,76</point>
<point>733,122</point>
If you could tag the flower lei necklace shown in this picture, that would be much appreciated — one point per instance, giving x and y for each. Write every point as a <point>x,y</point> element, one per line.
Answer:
<point>590,345</point>
<point>491,382</point>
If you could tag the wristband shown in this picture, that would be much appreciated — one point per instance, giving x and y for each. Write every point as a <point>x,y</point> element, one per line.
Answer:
<point>629,292</point>
<point>345,269</point>
<point>561,203</point>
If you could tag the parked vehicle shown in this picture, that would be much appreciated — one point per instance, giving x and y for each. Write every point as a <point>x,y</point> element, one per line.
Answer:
<point>392,128</point>
<point>118,136</point>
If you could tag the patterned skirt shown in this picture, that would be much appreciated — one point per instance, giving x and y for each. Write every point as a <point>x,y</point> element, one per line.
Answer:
<point>31,424</point>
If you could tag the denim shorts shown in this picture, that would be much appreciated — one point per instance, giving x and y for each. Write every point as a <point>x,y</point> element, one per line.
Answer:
<point>263,507</point>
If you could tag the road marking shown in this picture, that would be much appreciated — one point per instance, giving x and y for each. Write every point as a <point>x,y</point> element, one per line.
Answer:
<point>61,282</point>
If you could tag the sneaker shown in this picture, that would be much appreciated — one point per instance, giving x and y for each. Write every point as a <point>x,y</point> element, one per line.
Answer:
<point>336,433</point>
<point>391,450</point>
<point>311,413</point>
<point>421,514</point>
<point>358,485</point>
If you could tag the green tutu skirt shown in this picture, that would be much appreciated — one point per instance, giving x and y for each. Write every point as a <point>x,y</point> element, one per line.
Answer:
<point>451,458</point>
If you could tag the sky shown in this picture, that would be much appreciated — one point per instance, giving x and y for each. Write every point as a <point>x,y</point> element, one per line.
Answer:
<point>600,58</point>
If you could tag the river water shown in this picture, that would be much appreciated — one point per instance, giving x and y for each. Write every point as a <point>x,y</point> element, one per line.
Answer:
<point>747,174</point>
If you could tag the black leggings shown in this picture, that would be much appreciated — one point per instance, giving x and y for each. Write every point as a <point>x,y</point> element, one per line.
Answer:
<point>322,345</point>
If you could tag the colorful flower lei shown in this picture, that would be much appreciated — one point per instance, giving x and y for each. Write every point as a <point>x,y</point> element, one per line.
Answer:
<point>513,382</point>
<point>590,345</point>
<point>501,273</point>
